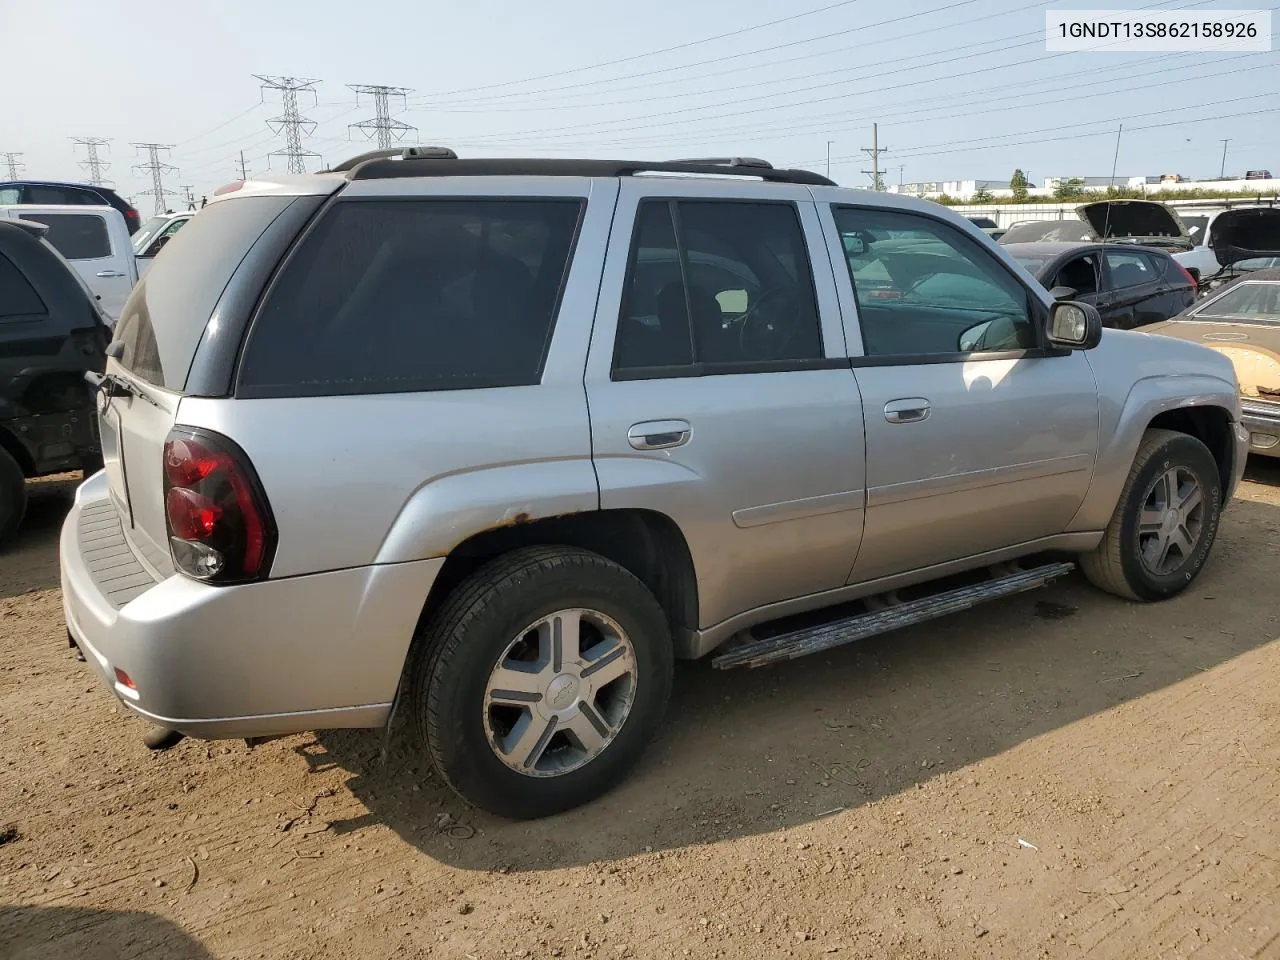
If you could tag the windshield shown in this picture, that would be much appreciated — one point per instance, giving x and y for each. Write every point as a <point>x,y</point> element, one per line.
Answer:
<point>1068,230</point>
<point>1196,227</point>
<point>147,231</point>
<point>1031,264</point>
<point>1257,301</point>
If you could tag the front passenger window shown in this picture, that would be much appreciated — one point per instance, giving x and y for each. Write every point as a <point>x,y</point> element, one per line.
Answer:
<point>923,287</point>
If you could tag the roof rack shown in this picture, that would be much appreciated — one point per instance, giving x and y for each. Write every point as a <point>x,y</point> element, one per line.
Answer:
<point>443,162</point>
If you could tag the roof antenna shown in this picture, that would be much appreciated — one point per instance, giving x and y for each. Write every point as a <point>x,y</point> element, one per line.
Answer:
<point>1106,224</point>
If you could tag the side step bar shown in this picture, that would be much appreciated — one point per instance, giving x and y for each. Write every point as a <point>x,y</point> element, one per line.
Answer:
<point>798,643</point>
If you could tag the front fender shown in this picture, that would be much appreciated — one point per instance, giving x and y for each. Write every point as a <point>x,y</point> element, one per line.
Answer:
<point>1122,424</point>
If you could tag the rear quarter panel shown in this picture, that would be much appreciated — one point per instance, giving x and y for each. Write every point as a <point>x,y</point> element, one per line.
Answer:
<point>1140,376</point>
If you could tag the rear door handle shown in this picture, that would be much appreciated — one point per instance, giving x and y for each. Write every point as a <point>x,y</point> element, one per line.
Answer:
<point>109,273</point>
<point>659,434</point>
<point>907,410</point>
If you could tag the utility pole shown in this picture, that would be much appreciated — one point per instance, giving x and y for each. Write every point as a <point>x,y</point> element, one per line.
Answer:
<point>92,162</point>
<point>1222,174</point>
<point>1115,160</point>
<point>244,171</point>
<point>901,167</point>
<point>291,123</point>
<point>874,152</point>
<point>382,127</point>
<point>157,168</point>
<point>829,142</point>
<point>13,163</point>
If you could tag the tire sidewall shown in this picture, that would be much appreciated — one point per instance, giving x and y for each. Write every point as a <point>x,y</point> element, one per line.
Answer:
<point>454,729</point>
<point>1186,452</point>
<point>13,496</point>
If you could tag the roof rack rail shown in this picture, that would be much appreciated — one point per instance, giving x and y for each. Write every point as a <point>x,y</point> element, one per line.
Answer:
<point>380,165</point>
<point>403,153</point>
<point>754,162</point>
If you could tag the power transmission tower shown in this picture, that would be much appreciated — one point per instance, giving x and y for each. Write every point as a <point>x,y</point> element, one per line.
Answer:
<point>187,196</point>
<point>92,162</point>
<point>244,170</point>
<point>15,165</point>
<point>291,122</point>
<point>874,151</point>
<point>157,168</point>
<point>382,127</point>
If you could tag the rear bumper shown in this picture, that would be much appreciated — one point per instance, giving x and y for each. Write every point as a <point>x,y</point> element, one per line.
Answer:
<point>281,656</point>
<point>1262,421</point>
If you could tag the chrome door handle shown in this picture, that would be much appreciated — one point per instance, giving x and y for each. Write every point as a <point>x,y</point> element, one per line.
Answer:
<point>909,410</point>
<point>659,434</point>
<point>109,273</point>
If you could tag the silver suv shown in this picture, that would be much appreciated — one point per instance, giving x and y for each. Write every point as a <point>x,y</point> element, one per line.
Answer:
<point>493,442</point>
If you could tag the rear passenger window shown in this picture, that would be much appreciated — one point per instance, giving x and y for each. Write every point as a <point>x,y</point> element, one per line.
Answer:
<point>734,293</point>
<point>1129,268</point>
<point>389,296</point>
<point>18,299</point>
<point>77,236</point>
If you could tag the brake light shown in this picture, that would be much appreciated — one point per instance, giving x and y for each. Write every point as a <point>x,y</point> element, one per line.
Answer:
<point>219,524</point>
<point>1191,277</point>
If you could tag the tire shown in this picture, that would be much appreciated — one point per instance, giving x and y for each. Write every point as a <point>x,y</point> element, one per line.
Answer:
<point>13,495</point>
<point>475,741</point>
<point>1124,562</point>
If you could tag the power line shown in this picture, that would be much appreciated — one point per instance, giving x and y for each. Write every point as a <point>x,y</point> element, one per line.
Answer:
<point>15,165</point>
<point>157,168</point>
<point>383,127</point>
<point>291,122</point>
<point>92,162</point>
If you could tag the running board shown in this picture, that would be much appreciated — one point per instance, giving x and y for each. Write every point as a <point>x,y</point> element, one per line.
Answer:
<point>798,643</point>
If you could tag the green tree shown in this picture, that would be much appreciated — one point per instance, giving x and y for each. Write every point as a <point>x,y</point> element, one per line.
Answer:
<point>983,196</point>
<point>1018,184</point>
<point>1069,189</point>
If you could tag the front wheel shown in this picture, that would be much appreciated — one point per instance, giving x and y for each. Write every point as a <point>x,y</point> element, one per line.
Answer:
<point>1165,523</point>
<point>541,680</point>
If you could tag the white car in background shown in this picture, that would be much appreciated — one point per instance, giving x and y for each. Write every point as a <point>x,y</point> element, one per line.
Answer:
<point>95,240</point>
<point>154,234</point>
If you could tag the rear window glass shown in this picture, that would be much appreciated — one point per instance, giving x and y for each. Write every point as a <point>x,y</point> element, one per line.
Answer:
<point>77,236</point>
<point>18,299</point>
<point>161,325</point>
<point>391,296</point>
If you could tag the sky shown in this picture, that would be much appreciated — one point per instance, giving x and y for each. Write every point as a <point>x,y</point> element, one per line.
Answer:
<point>960,89</point>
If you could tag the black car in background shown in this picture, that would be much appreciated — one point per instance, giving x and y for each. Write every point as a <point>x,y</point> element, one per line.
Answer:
<point>1130,285</point>
<point>76,194</point>
<point>51,333</point>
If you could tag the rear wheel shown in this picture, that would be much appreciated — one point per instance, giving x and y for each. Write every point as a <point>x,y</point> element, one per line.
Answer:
<point>13,495</point>
<point>541,680</point>
<point>1165,523</point>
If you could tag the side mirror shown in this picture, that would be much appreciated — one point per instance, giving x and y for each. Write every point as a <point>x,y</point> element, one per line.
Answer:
<point>854,245</point>
<point>1062,293</point>
<point>1074,325</point>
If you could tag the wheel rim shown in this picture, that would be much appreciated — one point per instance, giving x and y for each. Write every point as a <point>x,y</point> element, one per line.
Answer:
<point>1171,519</point>
<point>560,693</point>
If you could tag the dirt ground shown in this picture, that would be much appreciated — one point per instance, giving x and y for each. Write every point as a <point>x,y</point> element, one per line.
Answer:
<point>1061,774</point>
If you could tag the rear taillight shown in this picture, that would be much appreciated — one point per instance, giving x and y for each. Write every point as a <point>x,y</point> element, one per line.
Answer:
<point>220,527</point>
<point>1191,277</point>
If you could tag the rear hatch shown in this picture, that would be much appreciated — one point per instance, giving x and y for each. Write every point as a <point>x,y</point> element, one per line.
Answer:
<point>1139,221</point>
<point>154,345</point>
<point>1245,234</point>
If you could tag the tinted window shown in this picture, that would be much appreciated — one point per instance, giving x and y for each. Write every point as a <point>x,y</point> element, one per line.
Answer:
<point>77,236</point>
<point>737,288</point>
<point>1080,274</point>
<point>18,299</point>
<point>1258,300</point>
<point>165,317</point>
<point>413,295</point>
<point>1129,268</point>
<point>39,193</point>
<point>921,284</point>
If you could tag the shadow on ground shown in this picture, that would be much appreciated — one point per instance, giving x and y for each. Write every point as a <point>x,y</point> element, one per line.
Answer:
<point>745,752</point>
<point>32,553</point>
<point>62,933</point>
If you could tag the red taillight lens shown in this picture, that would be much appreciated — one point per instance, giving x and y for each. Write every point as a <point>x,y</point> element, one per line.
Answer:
<point>1191,277</point>
<point>220,526</point>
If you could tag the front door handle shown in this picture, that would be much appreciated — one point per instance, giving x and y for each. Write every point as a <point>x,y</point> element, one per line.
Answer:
<point>908,410</point>
<point>659,434</point>
<point>105,274</point>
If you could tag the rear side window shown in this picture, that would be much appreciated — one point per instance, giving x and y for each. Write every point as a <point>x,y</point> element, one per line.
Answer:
<point>18,299</point>
<point>77,236</point>
<point>1131,268</point>
<point>161,325</point>
<point>40,193</point>
<point>391,296</point>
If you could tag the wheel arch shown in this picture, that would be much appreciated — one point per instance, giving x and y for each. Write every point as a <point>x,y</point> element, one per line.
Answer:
<point>648,544</point>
